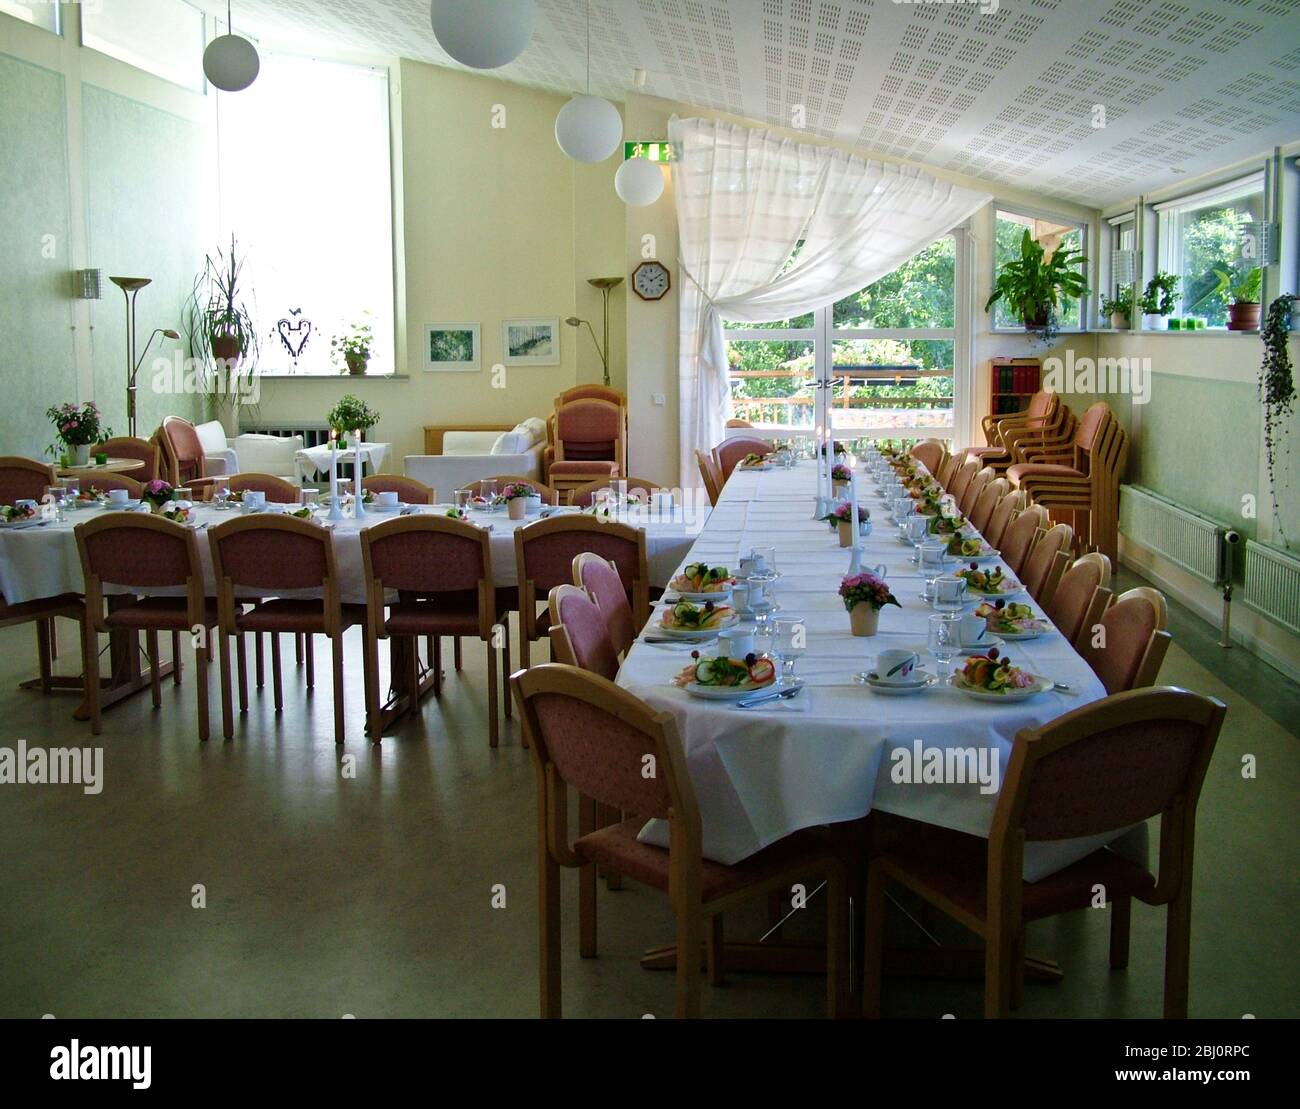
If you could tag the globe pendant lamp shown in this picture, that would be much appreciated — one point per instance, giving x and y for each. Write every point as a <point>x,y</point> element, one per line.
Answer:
<point>483,34</point>
<point>588,128</point>
<point>639,182</point>
<point>230,62</point>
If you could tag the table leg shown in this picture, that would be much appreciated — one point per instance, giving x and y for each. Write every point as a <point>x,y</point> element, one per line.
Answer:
<point>409,682</point>
<point>126,678</point>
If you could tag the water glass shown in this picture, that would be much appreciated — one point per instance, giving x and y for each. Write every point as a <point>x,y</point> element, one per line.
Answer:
<point>916,529</point>
<point>55,495</point>
<point>903,508</point>
<point>488,489</point>
<point>764,564</point>
<point>762,604</point>
<point>945,640</point>
<point>463,497</point>
<point>790,641</point>
<point>932,555</point>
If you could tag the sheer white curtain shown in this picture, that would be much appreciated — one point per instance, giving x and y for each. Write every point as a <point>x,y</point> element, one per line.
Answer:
<point>745,199</point>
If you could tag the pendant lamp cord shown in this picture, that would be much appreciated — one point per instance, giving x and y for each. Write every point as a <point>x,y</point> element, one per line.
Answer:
<point>230,28</point>
<point>588,47</point>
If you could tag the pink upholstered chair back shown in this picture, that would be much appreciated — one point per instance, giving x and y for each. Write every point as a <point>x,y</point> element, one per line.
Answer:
<point>128,446</point>
<point>98,479</point>
<point>963,476</point>
<point>590,392</point>
<point>23,479</point>
<point>273,555</point>
<point>987,503</point>
<point>427,555</point>
<point>976,486</point>
<point>408,490</point>
<point>548,555</point>
<point>589,429</point>
<point>277,490</point>
<point>137,553</point>
<point>1040,404</point>
<point>602,582</point>
<point>1001,518</point>
<point>930,454</point>
<point>186,448</point>
<point>1019,537</point>
<point>730,452</point>
<point>1068,606</point>
<point>1129,626</point>
<point>585,629</point>
<point>1038,566</point>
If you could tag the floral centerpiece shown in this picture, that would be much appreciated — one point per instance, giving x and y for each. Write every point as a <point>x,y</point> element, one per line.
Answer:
<point>77,427</point>
<point>158,493</point>
<point>839,518</point>
<point>516,494</point>
<point>864,596</point>
<point>351,415</point>
<point>840,474</point>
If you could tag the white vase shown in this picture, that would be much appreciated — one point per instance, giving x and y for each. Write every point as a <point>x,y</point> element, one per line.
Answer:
<point>81,454</point>
<point>1153,321</point>
<point>516,507</point>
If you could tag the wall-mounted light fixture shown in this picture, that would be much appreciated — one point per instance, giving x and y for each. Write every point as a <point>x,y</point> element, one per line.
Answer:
<point>87,284</point>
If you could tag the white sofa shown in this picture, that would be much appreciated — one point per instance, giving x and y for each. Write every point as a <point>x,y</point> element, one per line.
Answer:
<point>470,455</point>
<point>249,453</point>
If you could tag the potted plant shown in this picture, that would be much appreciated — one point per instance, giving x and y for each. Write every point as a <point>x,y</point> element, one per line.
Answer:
<point>864,595</point>
<point>1118,311</point>
<point>219,320</point>
<point>840,477</point>
<point>1276,388</point>
<point>1033,284</point>
<point>1158,300</point>
<point>351,415</point>
<point>840,516</point>
<point>516,495</point>
<point>354,348</point>
<point>158,493</point>
<point>77,427</point>
<point>1243,293</point>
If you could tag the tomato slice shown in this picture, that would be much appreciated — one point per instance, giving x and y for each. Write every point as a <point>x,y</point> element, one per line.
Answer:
<point>762,671</point>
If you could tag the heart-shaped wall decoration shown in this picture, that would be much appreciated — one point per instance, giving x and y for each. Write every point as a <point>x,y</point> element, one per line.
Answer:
<point>294,331</point>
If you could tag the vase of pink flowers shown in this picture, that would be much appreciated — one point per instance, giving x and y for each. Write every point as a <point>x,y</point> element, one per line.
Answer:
<point>840,477</point>
<point>840,517</point>
<point>516,494</point>
<point>158,493</point>
<point>864,595</point>
<point>77,427</point>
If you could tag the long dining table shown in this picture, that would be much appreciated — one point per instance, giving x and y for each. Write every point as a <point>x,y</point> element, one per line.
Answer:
<point>834,752</point>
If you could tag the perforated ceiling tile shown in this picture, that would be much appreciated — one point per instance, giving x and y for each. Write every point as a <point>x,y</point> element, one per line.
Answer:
<point>924,80</point>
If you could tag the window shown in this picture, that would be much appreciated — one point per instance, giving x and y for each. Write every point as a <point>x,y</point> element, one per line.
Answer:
<point>162,37</point>
<point>39,13</point>
<point>1052,232</point>
<point>1200,241</point>
<point>306,189</point>
<point>887,351</point>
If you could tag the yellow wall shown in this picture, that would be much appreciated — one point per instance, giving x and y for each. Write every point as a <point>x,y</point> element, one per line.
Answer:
<point>492,224</point>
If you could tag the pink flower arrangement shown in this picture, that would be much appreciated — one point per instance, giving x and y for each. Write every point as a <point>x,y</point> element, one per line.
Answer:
<point>868,589</point>
<point>841,512</point>
<point>840,473</point>
<point>77,425</point>
<point>515,489</point>
<point>158,492</point>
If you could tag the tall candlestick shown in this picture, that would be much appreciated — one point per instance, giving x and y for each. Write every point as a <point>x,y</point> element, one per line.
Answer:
<point>336,509</point>
<point>853,507</point>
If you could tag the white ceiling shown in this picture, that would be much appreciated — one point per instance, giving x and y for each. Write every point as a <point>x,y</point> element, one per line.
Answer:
<point>1006,96</point>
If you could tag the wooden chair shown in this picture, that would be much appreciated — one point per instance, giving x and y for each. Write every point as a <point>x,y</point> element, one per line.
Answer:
<point>277,490</point>
<point>584,494</point>
<point>1080,478</point>
<point>181,458</point>
<point>579,635</point>
<point>589,441</point>
<point>1021,535</point>
<point>1080,598</point>
<point>1046,563</point>
<point>982,514</point>
<point>24,479</point>
<point>544,554</point>
<point>709,475</point>
<point>1128,648</point>
<point>589,734</point>
<point>947,468</point>
<point>728,454</point>
<point>1003,513</point>
<point>739,423</point>
<point>600,579</point>
<point>577,393</point>
<point>966,502</point>
<point>1107,765</point>
<point>962,477</point>
<point>442,570</point>
<point>145,554</point>
<point>1043,416</point>
<point>931,453</point>
<point>263,555</point>
<point>408,490</point>
<point>129,446</point>
<point>104,481</point>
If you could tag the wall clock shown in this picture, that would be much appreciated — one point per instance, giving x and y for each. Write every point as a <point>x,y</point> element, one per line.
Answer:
<point>651,280</point>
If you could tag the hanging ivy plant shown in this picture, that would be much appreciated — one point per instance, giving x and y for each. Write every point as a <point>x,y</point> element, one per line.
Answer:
<point>1276,389</point>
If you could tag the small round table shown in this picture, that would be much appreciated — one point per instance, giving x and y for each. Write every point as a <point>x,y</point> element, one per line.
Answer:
<point>112,466</point>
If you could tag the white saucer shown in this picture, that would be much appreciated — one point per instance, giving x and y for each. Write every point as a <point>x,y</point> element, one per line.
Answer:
<point>898,689</point>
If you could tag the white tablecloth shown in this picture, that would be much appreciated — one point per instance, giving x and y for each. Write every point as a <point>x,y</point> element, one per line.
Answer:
<point>316,460</point>
<point>42,561</point>
<point>761,774</point>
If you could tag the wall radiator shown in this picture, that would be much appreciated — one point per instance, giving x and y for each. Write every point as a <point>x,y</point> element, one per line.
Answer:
<point>1273,584</point>
<point>312,434</point>
<point>1194,542</point>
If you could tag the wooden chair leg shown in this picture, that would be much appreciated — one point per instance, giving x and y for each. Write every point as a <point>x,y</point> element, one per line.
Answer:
<point>456,652</point>
<point>227,709</point>
<point>492,694</point>
<point>714,951</point>
<point>277,685</point>
<point>202,656</point>
<point>155,682</point>
<point>873,946</point>
<point>54,639</point>
<point>309,657</point>
<point>525,651</point>
<point>548,918</point>
<point>435,661</point>
<point>1178,942</point>
<point>177,665</point>
<point>90,672</point>
<point>505,664</point>
<point>337,643</point>
<point>374,712</point>
<point>586,884</point>
<point>45,651</point>
<point>1017,972</point>
<point>297,648</point>
<point>689,937</point>
<point>241,657</point>
<point>999,951</point>
<point>837,944</point>
<point>259,660</point>
<point>1121,915</point>
<point>428,647</point>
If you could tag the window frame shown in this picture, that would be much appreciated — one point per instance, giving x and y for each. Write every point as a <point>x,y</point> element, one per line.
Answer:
<point>56,11</point>
<point>199,86</point>
<point>1085,238</point>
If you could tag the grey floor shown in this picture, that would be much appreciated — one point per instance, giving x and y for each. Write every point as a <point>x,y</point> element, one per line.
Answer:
<point>362,880</point>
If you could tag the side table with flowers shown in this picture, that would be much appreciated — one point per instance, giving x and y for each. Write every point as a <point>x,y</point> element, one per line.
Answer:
<point>77,427</point>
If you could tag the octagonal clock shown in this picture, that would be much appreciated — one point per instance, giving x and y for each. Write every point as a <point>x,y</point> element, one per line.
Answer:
<point>651,280</point>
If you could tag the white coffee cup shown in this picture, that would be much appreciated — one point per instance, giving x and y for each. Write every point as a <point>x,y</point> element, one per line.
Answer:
<point>932,555</point>
<point>387,498</point>
<point>897,667</point>
<point>736,642</point>
<point>974,630</point>
<point>254,498</point>
<point>118,496</point>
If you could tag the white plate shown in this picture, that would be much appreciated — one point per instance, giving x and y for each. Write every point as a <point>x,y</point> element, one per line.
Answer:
<point>901,689</point>
<point>1012,637</point>
<point>696,633</point>
<point>20,525</point>
<point>982,648</point>
<point>1005,592</point>
<point>1041,685</point>
<point>725,692</point>
<point>386,509</point>
<point>697,598</point>
<point>125,506</point>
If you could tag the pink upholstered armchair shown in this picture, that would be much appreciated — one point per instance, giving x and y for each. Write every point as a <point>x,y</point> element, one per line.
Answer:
<point>590,442</point>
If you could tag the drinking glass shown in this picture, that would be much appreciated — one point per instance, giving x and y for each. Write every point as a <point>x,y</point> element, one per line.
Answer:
<point>55,495</point>
<point>949,593</point>
<point>73,487</point>
<point>932,556</point>
<point>916,529</point>
<point>945,641</point>
<point>462,497</point>
<point>929,588</point>
<point>790,641</point>
<point>488,489</point>
<point>762,605</point>
<point>765,563</point>
<point>221,499</point>
<point>902,508</point>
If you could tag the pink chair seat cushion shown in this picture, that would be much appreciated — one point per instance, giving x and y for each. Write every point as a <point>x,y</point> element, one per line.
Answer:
<point>446,614</point>
<point>158,612</point>
<point>288,615</point>
<point>595,467</point>
<point>1022,470</point>
<point>617,848</point>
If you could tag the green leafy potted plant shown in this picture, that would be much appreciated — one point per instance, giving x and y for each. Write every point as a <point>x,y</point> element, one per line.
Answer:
<point>219,320</point>
<point>1276,388</point>
<point>1033,285</point>
<point>1243,291</point>
<point>77,426</point>
<point>354,348</point>
<point>1118,311</point>
<point>1158,300</point>
<point>351,415</point>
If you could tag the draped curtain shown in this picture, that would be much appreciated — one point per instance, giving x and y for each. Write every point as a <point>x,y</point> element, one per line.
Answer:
<point>745,199</point>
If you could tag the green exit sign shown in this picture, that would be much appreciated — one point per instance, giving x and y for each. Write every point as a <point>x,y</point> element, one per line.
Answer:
<point>652,151</point>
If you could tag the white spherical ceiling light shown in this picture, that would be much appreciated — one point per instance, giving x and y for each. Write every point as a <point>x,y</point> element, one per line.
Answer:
<point>639,182</point>
<point>483,34</point>
<point>231,63</point>
<point>588,128</point>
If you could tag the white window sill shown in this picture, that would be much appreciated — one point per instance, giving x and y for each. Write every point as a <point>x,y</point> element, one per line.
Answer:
<point>332,377</point>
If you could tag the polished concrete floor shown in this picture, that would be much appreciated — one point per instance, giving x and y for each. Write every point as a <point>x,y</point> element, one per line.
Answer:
<point>361,880</point>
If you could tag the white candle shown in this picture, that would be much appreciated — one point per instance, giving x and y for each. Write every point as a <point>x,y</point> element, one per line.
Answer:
<point>853,508</point>
<point>336,511</point>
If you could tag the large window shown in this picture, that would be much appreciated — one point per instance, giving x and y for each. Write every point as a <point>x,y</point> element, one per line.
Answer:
<point>162,37</point>
<point>39,13</point>
<point>1200,240</point>
<point>305,183</point>
<point>1052,233</point>
<point>887,352</point>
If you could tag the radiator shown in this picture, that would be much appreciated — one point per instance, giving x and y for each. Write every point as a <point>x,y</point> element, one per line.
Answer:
<point>1184,537</point>
<point>1273,584</point>
<point>312,434</point>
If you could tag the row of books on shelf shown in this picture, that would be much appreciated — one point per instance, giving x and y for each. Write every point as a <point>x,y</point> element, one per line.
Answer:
<point>1014,378</point>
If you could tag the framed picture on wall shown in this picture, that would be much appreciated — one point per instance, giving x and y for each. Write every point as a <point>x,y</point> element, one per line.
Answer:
<point>451,347</point>
<point>534,342</point>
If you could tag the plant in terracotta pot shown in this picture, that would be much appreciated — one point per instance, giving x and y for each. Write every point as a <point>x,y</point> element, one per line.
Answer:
<point>1158,300</point>
<point>351,416</point>
<point>516,494</point>
<point>1243,297</point>
<point>77,426</point>
<point>1033,285</point>
<point>353,347</point>
<point>1118,311</point>
<point>840,516</point>
<point>219,320</point>
<point>864,595</point>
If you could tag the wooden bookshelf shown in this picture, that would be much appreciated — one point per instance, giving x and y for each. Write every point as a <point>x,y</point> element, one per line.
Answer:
<point>1012,381</point>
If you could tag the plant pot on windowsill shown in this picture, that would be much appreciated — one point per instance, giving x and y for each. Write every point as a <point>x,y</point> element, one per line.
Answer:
<point>1119,321</point>
<point>357,366</point>
<point>864,619</point>
<point>1243,316</point>
<point>1154,321</point>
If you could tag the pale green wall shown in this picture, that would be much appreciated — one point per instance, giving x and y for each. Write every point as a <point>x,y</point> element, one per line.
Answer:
<point>143,198</point>
<point>37,361</point>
